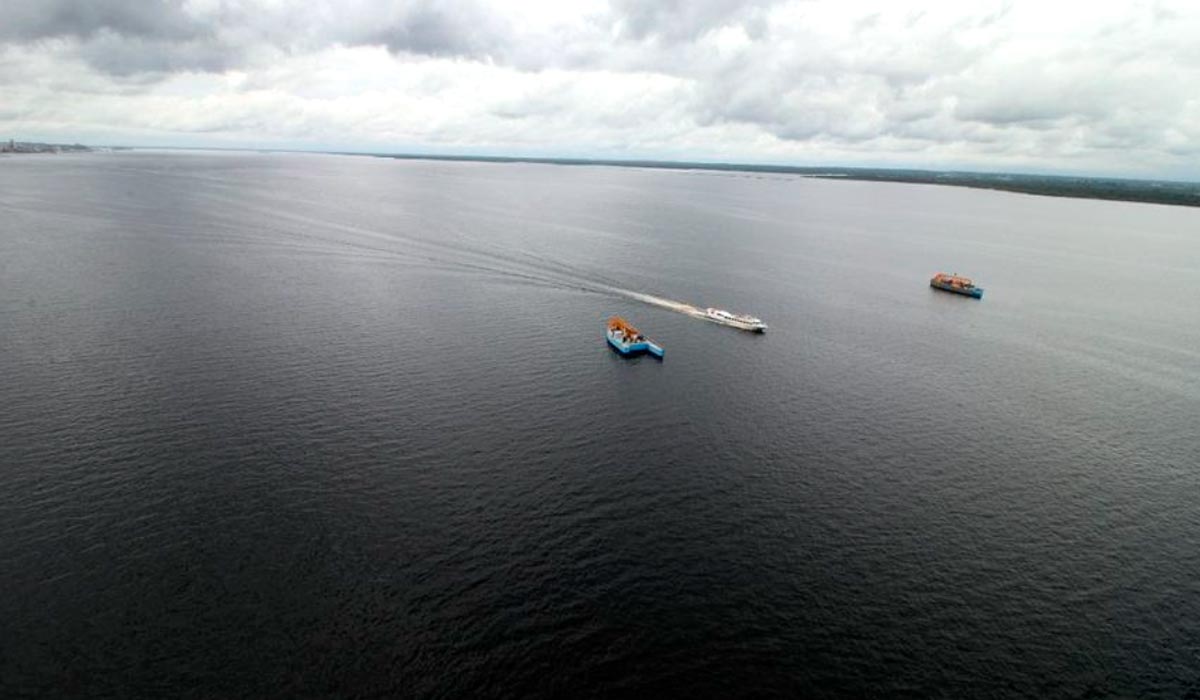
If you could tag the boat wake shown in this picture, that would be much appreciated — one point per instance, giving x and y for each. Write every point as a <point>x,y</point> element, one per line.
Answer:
<point>677,306</point>
<point>302,232</point>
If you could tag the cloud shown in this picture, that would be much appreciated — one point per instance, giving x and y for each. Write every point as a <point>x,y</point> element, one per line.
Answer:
<point>41,19</point>
<point>686,20</point>
<point>124,37</point>
<point>447,28</point>
<point>998,84</point>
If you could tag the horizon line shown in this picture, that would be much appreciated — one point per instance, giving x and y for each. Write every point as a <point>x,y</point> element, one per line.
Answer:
<point>668,164</point>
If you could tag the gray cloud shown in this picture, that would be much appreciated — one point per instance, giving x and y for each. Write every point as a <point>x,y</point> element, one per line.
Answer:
<point>131,56</point>
<point>41,19</point>
<point>124,37</point>
<point>465,29</point>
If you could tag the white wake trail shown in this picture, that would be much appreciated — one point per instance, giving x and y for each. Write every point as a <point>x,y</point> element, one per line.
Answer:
<point>677,306</point>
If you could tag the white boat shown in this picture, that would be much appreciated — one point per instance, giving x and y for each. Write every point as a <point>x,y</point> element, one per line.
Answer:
<point>746,323</point>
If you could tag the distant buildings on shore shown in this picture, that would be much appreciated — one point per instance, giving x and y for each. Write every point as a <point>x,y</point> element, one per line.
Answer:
<point>14,146</point>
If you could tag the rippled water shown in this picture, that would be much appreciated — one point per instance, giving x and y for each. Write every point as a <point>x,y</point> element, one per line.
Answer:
<point>283,425</point>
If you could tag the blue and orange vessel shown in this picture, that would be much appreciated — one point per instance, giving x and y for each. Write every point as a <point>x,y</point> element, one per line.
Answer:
<point>956,284</point>
<point>627,340</point>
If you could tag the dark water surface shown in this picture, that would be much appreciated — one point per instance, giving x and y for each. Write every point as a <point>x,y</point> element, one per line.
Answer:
<point>282,426</point>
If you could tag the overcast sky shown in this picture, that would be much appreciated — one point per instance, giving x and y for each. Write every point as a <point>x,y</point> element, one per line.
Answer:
<point>1043,85</point>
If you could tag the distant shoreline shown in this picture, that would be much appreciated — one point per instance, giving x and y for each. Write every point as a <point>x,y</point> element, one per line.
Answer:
<point>1169,192</point>
<point>14,147</point>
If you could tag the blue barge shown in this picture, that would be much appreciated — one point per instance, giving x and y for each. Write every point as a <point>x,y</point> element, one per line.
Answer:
<point>627,340</point>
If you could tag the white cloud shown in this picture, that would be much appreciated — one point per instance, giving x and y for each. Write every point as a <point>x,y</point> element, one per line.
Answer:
<point>1064,86</point>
